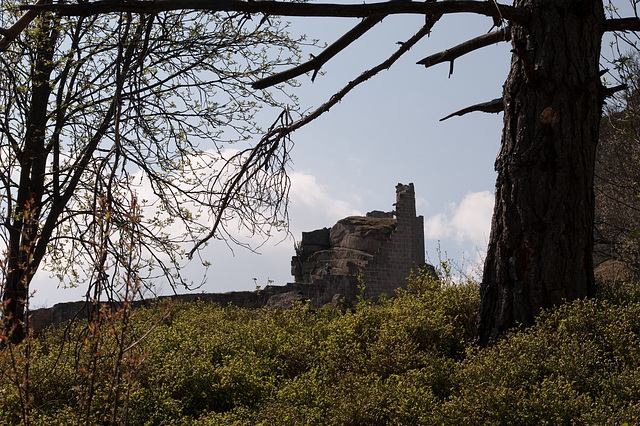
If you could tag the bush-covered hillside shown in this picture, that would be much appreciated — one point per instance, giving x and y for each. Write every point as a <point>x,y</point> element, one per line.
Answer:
<point>408,360</point>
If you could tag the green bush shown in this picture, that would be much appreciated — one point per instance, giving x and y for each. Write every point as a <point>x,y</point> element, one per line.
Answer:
<point>578,365</point>
<point>407,360</point>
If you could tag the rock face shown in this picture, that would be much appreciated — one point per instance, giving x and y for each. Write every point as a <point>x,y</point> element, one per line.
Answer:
<point>346,249</point>
<point>285,300</point>
<point>362,233</point>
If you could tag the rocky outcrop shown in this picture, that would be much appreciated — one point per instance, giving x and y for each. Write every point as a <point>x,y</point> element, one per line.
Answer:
<point>342,250</point>
<point>362,233</point>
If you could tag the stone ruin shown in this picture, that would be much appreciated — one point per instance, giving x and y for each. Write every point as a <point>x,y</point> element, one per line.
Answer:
<point>378,250</point>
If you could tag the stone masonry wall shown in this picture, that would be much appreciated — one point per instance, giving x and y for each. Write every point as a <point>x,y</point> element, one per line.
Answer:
<point>402,253</point>
<point>335,290</point>
<point>381,249</point>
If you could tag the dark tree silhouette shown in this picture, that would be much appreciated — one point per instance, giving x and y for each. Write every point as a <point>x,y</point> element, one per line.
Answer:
<point>98,113</point>
<point>541,244</point>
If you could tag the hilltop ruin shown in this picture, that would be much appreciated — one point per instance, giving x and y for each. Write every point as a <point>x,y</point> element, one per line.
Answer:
<point>379,249</point>
<point>373,253</point>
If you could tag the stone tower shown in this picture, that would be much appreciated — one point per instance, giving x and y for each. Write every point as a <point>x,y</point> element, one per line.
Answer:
<point>403,252</point>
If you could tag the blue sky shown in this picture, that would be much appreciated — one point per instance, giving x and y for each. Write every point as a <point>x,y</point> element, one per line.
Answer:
<point>386,131</point>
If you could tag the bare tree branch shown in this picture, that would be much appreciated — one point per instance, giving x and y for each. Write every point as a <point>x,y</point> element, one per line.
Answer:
<point>10,34</point>
<point>269,155</point>
<point>622,24</point>
<point>263,155</point>
<point>495,106</point>
<point>487,8</point>
<point>318,61</point>
<point>450,55</point>
<point>606,92</point>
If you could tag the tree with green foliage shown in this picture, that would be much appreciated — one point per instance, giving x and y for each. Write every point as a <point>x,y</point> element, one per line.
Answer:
<point>95,111</point>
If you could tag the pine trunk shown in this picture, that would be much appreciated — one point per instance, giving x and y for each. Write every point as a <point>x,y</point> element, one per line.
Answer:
<point>541,244</point>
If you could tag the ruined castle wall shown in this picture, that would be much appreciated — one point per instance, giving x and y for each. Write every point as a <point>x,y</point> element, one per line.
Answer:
<point>402,253</point>
<point>318,294</point>
<point>383,270</point>
<point>390,255</point>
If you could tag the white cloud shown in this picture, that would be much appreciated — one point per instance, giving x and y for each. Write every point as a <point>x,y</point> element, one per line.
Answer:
<point>421,204</point>
<point>470,220</point>
<point>437,227</point>
<point>312,207</point>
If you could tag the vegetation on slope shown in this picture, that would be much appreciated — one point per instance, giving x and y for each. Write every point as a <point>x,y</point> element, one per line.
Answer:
<point>407,360</point>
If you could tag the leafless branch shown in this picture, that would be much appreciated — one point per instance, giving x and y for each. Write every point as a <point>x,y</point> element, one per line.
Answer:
<point>450,55</point>
<point>487,8</point>
<point>272,148</point>
<point>495,106</point>
<point>610,91</point>
<point>262,172</point>
<point>318,61</point>
<point>492,9</point>
<point>622,24</point>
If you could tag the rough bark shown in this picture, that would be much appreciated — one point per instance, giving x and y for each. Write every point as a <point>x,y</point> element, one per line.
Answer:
<point>541,243</point>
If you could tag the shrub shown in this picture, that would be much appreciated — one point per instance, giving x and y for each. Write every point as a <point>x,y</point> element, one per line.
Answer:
<point>579,364</point>
<point>407,360</point>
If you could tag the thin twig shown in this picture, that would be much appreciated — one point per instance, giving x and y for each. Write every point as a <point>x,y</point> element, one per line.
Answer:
<point>153,327</point>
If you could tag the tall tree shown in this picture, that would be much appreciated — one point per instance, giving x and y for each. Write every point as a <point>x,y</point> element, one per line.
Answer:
<point>541,244</point>
<point>93,110</point>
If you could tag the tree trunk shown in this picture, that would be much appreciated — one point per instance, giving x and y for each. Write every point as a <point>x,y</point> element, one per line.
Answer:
<point>541,244</point>
<point>23,231</point>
